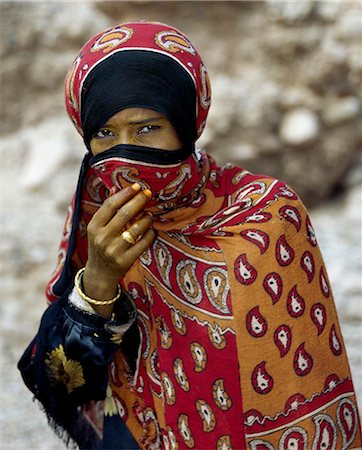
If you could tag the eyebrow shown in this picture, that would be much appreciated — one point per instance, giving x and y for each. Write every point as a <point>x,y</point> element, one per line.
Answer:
<point>143,121</point>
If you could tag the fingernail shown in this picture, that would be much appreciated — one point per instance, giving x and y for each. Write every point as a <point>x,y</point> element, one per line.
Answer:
<point>148,193</point>
<point>112,191</point>
<point>136,187</point>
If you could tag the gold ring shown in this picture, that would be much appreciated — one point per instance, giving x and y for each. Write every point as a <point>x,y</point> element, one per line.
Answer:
<point>127,236</point>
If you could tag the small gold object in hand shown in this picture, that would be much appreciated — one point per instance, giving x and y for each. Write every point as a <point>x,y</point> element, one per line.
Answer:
<point>127,236</point>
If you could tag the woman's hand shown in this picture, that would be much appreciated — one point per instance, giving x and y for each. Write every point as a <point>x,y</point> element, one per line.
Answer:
<point>109,255</point>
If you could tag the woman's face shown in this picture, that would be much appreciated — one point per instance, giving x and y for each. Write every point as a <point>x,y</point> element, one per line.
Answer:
<point>136,126</point>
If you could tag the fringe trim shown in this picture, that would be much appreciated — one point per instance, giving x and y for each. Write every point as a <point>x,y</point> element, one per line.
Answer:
<point>81,436</point>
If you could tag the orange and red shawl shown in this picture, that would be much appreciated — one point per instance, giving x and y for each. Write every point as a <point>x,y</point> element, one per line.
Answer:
<point>240,341</point>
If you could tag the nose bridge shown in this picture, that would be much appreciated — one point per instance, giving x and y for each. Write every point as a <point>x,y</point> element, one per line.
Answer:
<point>124,134</point>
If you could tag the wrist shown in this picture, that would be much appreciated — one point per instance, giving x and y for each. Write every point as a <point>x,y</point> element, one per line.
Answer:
<point>100,289</point>
<point>99,285</point>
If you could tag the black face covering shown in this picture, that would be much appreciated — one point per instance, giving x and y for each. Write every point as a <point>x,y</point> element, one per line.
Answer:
<point>143,154</point>
<point>140,79</point>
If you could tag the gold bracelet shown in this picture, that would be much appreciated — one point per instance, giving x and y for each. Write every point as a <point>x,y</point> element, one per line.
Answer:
<point>92,300</point>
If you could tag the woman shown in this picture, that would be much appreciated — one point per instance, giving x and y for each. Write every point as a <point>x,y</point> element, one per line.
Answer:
<point>191,306</point>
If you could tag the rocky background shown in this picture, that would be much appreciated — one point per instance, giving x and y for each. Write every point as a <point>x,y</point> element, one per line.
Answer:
<point>286,101</point>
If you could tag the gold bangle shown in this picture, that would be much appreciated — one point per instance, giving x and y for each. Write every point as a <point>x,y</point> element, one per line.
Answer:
<point>77,281</point>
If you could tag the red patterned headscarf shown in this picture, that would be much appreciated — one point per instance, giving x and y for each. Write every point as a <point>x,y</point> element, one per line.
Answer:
<point>155,38</point>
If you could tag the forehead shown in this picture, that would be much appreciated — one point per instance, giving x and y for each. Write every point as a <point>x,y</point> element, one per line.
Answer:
<point>128,115</point>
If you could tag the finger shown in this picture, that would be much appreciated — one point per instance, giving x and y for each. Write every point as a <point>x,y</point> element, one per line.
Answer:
<point>136,250</point>
<point>113,203</point>
<point>128,211</point>
<point>135,218</point>
<point>138,228</point>
<point>113,191</point>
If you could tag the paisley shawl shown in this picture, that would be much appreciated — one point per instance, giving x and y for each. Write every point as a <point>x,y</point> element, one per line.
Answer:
<point>240,341</point>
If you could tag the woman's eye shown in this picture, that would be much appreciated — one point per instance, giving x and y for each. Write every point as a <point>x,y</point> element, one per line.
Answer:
<point>148,128</point>
<point>104,133</point>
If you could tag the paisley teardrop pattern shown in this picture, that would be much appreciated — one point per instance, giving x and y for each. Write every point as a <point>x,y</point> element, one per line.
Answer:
<point>172,438</point>
<point>168,389</point>
<point>221,397</point>
<point>164,333</point>
<point>334,341</point>
<point>347,421</point>
<point>307,263</point>
<point>319,317</point>
<point>295,438</point>
<point>324,283</point>
<point>245,273</point>
<point>284,252</point>
<point>150,421</point>
<point>260,217</point>
<point>257,237</point>
<point>149,294</point>
<point>292,215</point>
<point>217,288</point>
<point>273,285</point>
<point>303,362</point>
<point>286,192</point>
<point>178,322</point>
<point>146,257</point>
<point>163,260</point>
<point>255,323</point>
<point>187,281</point>
<point>155,365</point>
<point>224,443</point>
<point>261,380</point>
<point>166,442</point>
<point>199,356</point>
<point>185,431</point>
<point>295,303</point>
<point>260,444</point>
<point>180,375</point>
<point>311,236</point>
<point>216,338</point>
<point>325,433</point>
<point>245,192</point>
<point>283,339</point>
<point>207,415</point>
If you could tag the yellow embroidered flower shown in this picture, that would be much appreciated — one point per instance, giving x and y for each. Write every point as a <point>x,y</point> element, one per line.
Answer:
<point>110,407</point>
<point>64,370</point>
